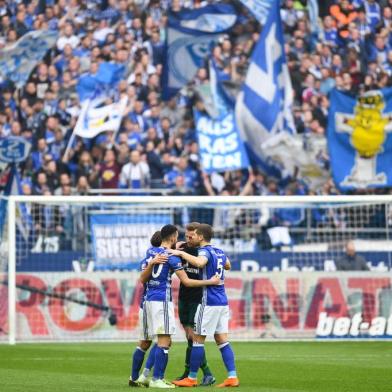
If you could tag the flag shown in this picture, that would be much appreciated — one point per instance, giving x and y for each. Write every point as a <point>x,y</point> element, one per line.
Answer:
<point>106,79</point>
<point>94,120</point>
<point>258,8</point>
<point>263,107</point>
<point>220,145</point>
<point>360,139</point>
<point>23,219</point>
<point>19,59</point>
<point>190,37</point>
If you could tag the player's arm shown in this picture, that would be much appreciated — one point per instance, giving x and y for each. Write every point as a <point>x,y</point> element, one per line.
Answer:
<point>197,261</point>
<point>146,273</point>
<point>227,266</point>
<point>214,281</point>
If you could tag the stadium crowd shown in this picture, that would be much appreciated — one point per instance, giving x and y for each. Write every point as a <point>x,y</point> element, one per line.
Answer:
<point>156,146</point>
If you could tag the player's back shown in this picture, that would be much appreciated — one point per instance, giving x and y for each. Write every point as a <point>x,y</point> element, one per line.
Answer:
<point>159,284</point>
<point>214,295</point>
<point>150,254</point>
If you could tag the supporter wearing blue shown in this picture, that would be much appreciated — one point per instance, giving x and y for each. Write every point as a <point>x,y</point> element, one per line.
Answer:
<point>182,169</point>
<point>373,13</point>
<point>212,316</point>
<point>153,257</point>
<point>159,305</point>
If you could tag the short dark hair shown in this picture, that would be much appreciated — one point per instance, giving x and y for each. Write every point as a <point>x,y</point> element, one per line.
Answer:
<point>192,226</point>
<point>206,231</point>
<point>156,239</point>
<point>167,231</point>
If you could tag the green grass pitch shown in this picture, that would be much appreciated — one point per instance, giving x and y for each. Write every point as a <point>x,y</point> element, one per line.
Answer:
<point>268,366</point>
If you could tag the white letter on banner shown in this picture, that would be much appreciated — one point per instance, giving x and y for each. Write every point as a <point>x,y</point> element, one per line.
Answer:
<point>389,327</point>
<point>219,146</point>
<point>232,142</point>
<point>101,248</point>
<point>378,326</point>
<point>205,142</point>
<point>324,325</point>
<point>261,82</point>
<point>355,323</point>
<point>342,326</point>
<point>218,162</point>
<point>206,161</point>
<point>124,248</point>
<point>233,160</point>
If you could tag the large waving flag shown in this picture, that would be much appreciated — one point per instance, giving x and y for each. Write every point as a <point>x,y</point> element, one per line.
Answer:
<point>190,37</point>
<point>360,139</point>
<point>19,59</point>
<point>263,107</point>
<point>93,121</point>
<point>259,8</point>
<point>220,145</point>
<point>106,79</point>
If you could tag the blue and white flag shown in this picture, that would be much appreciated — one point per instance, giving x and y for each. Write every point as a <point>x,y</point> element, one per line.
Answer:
<point>191,34</point>
<point>23,218</point>
<point>94,120</point>
<point>19,59</point>
<point>360,139</point>
<point>259,8</point>
<point>264,106</point>
<point>105,80</point>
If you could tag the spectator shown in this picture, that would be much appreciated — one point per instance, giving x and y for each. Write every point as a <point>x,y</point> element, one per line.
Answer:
<point>351,261</point>
<point>108,173</point>
<point>136,173</point>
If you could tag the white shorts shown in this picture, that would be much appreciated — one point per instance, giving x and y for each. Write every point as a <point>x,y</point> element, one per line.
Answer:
<point>144,333</point>
<point>210,320</point>
<point>160,318</point>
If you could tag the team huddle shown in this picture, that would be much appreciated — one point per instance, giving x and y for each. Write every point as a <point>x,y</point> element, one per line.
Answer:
<point>203,307</point>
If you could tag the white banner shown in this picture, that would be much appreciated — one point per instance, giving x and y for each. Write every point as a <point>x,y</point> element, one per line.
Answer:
<point>263,305</point>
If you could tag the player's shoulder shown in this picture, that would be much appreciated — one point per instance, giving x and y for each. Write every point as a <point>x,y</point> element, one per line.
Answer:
<point>217,251</point>
<point>175,262</point>
<point>154,250</point>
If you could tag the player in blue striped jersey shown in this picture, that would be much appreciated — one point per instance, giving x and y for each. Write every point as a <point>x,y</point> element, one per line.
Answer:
<point>212,316</point>
<point>153,256</point>
<point>159,305</point>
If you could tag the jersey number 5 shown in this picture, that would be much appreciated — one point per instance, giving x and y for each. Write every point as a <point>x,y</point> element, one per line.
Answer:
<point>220,267</point>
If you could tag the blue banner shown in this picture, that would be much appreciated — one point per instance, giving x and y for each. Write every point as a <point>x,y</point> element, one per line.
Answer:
<point>264,106</point>
<point>118,241</point>
<point>360,139</point>
<point>220,145</point>
<point>19,59</point>
<point>191,35</point>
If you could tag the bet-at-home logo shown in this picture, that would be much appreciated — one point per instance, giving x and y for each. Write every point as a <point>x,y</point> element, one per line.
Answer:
<point>354,327</point>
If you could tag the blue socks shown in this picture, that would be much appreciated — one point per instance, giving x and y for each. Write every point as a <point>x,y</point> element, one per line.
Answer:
<point>161,358</point>
<point>228,358</point>
<point>137,362</point>
<point>197,357</point>
<point>151,357</point>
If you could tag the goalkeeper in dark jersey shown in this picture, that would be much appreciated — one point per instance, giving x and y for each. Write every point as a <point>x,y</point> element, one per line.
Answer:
<point>188,301</point>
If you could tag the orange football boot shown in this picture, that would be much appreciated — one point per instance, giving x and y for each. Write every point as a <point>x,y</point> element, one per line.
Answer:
<point>230,382</point>
<point>186,382</point>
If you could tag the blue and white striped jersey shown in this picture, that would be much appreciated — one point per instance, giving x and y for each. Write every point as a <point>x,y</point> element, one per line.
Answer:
<point>213,295</point>
<point>159,285</point>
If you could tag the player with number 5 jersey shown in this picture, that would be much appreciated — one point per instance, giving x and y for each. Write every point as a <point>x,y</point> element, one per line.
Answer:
<point>212,316</point>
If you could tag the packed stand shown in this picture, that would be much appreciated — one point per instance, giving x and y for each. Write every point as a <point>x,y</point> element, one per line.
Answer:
<point>156,149</point>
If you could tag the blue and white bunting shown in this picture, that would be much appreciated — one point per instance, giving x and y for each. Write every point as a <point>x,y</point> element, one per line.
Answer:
<point>191,35</point>
<point>258,8</point>
<point>264,106</point>
<point>19,59</point>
